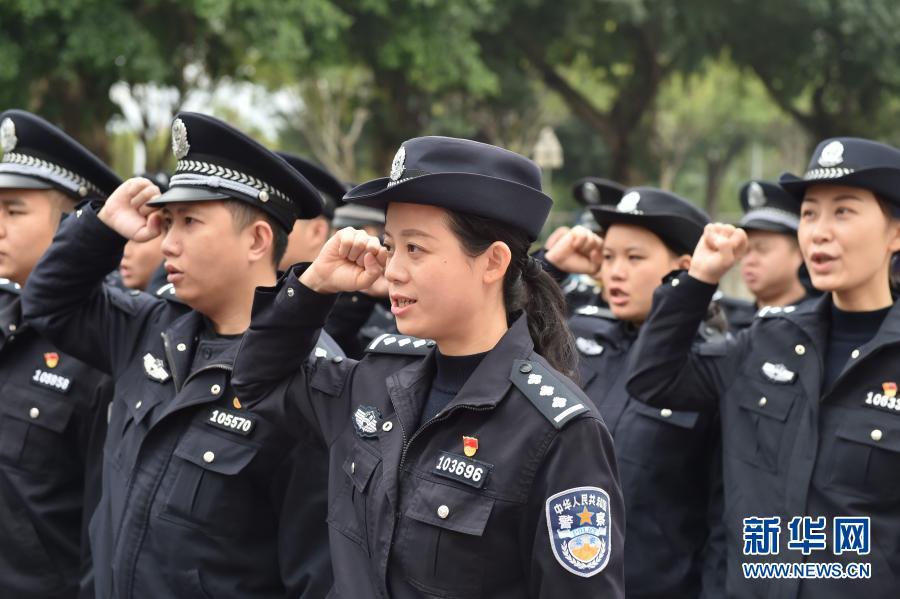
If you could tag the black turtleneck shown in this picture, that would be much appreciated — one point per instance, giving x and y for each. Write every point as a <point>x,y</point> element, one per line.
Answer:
<point>849,330</point>
<point>451,373</point>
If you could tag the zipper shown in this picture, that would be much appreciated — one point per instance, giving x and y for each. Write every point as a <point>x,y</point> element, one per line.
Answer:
<point>224,367</point>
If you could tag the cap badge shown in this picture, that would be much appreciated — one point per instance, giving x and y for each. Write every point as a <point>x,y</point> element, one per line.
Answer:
<point>399,164</point>
<point>756,197</point>
<point>832,154</point>
<point>591,193</point>
<point>8,139</point>
<point>629,202</point>
<point>180,145</point>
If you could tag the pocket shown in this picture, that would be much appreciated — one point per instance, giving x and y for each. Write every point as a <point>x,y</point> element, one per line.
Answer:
<point>348,511</point>
<point>865,458</point>
<point>211,487</point>
<point>442,549</point>
<point>653,432</point>
<point>754,432</point>
<point>32,423</point>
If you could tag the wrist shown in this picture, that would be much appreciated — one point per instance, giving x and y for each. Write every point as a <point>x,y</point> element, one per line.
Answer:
<point>703,276</point>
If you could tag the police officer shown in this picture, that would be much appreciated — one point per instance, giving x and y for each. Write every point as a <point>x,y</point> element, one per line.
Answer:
<point>466,466</point>
<point>200,498</point>
<point>668,459</point>
<point>771,268</point>
<point>53,411</point>
<point>808,394</point>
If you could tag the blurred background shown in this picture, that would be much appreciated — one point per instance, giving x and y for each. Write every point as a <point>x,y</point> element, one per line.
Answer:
<point>696,96</point>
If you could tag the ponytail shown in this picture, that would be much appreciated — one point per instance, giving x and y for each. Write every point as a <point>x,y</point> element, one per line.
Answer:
<point>526,287</point>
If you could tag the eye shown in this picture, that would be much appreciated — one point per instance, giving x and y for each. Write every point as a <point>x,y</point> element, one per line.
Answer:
<point>388,247</point>
<point>189,220</point>
<point>635,258</point>
<point>842,211</point>
<point>807,213</point>
<point>413,249</point>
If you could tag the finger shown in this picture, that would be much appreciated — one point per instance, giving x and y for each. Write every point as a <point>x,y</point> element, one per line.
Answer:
<point>345,241</point>
<point>145,195</point>
<point>555,236</point>
<point>360,241</point>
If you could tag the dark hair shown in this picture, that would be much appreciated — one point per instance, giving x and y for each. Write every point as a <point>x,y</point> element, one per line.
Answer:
<point>245,215</point>
<point>525,287</point>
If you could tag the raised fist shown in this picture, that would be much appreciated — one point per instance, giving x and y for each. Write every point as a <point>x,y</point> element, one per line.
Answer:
<point>717,251</point>
<point>352,260</point>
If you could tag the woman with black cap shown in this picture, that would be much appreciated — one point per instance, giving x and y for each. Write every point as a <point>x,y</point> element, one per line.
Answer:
<point>808,394</point>
<point>464,466</point>
<point>669,460</point>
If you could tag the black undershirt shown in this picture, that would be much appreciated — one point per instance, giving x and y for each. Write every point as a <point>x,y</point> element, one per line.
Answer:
<point>849,331</point>
<point>450,374</point>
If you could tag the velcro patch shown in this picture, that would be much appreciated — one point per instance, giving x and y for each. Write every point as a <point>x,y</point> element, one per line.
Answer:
<point>462,469</point>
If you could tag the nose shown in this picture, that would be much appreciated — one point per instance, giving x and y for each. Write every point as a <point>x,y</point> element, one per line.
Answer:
<point>617,269</point>
<point>170,246</point>
<point>394,270</point>
<point>822,229</point>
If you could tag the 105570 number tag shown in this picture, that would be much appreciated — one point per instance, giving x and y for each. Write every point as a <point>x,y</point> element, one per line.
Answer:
<point>462,469</point>
<point>231,421</point>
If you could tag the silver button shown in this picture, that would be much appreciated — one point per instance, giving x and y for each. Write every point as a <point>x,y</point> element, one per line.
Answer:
<point>854,354</point>
<point>138,405</point>
<point>387,426</point>
<point>763,401</point>
<point>208,457</point>
<point>12,327</point>
<point>181,347</point>
<point>264,196</point>
<point>34,412</point>
<point>443,512</point>
<point>290,292</point>
<point>78,214</point>
<point>215,389</point>
<point>876,434</point>
<point>799,349</point>
<point>675,282</point>
<point>352,467</point>
<point>665,412</point>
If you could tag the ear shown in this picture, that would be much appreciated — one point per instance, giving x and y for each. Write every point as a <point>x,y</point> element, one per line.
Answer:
<point>683,262</point>
<point>497,257</point>
<point>894,239</point>
<point>261,239</point>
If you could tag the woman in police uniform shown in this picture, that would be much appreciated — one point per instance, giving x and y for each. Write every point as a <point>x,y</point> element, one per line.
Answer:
<point>669,460</point>
<point>807,394</point>
<point>469,465</point>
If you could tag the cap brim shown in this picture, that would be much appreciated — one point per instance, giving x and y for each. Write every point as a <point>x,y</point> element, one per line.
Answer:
<point>885,182</point>
<point>13,181</point>
<point>759,224</point>
<point>677,232</point>
<point>462,192</point>
<point>183,193</point>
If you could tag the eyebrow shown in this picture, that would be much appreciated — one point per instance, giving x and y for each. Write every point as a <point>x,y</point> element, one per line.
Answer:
<point>12,201</point>
<point>411,233</point>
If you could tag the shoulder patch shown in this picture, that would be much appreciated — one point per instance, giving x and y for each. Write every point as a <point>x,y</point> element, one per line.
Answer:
<point>579,525</point>
<point>400,345</point>
<point>597,311</point>
<point>772,311</point>
<point>550,395</point>
<point>9,286</point>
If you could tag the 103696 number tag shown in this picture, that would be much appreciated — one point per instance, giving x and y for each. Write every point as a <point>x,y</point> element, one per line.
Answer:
<point>462,469</point>
<point>231,421</point>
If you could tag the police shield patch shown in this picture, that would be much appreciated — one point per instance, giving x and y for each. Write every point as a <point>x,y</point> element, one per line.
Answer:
<point>578,522</point>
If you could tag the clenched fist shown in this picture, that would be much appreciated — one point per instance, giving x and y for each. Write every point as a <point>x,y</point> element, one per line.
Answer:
<point>717,251</point>
<point>352,260</point>
<point>577,250</point>
<point>126,211</point>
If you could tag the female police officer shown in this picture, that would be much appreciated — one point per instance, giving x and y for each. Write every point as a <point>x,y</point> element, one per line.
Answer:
<point>668,459</point>
<point>480,470</point>
<point>811,421</point>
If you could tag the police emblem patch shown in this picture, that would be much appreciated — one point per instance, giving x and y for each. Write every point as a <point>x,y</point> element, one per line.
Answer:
<point>8,139</point>
<point>578,522</point>
<point>756,197</point>
<point>399,164</point>
<point>588,347</point>
<point>155,369</point>
<point>778,373</point>
<point>180,145</point>
<point>629,202</point>
<point>832,154</point>
<point>365,421</point>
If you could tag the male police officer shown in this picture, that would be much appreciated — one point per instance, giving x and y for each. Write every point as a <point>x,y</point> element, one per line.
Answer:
<point>770,269</point>
<point>53,408</point>
<point>199,497</point>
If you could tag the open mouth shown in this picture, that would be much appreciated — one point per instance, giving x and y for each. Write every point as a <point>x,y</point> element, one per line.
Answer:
<point>617,296</point>
<point>400,304</point>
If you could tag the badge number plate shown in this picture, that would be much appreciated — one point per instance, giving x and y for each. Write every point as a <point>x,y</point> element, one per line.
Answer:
<point>462,469</point>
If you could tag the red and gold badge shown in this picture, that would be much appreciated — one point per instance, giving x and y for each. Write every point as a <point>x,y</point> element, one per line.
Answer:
<point>51,359</point>
<point>470,446</point>
<point>889,388</point>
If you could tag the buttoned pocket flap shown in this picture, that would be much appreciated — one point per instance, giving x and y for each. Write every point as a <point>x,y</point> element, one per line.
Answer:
<point>450,508</point>
<point>214,452</point>
<point>359,466</point>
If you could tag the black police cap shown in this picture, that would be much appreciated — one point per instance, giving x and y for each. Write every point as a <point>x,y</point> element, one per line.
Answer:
<point>464,176</point>
<point>218,162</point>
<point>594,191</point>
<point>853,162</point>
<point>672,218</point>
<point>768,207</point>
<point>331,188</point>
<point>39,155</point>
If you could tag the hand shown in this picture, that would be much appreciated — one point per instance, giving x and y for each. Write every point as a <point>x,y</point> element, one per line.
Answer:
<point>351,260</point>
<point>126,211</point>
<point>577,250</point>
<point>379,289</point>
<point>717,251</point>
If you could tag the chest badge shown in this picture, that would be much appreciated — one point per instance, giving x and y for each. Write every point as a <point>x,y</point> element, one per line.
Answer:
<point>588,347</point>
<point>778,373</point>
<point>155,369</point>
<point>365,421</point>
<point>51,359</point>
<point>470,446</point>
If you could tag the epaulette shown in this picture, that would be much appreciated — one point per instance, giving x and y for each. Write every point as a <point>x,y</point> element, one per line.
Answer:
<point>400,345</point>
<point>550,395</point>
<point>770,311</point>
<point>10,287</point>
<point>597,311</point>
<point>167,291</point>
